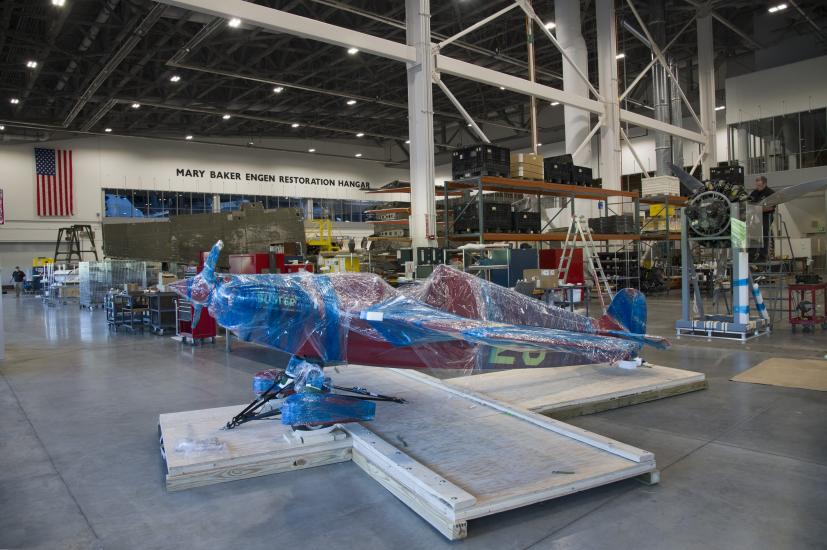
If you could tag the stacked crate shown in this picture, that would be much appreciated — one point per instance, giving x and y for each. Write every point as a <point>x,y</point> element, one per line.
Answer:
<point>480,160</point>
<point>526,166</point>
<point>496,217</point>
<point>561,169</point>
<point>620,224</point>
<point>581,175</point>
<point>728,171</point>
<point>558,169</point>
<point>526,222</point>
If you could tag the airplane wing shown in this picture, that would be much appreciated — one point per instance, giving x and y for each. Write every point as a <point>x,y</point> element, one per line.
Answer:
<point>794,192</point>
<point>402,321</point>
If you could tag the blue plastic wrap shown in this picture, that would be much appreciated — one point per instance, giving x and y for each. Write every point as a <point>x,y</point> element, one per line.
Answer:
<point>301,409</point>
<point>449,321</point>
<point>264,380</point>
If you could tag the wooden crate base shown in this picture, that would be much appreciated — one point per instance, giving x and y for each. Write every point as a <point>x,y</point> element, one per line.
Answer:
<point>259,449</point>
<point>450,454</point>
<point>566,392</point>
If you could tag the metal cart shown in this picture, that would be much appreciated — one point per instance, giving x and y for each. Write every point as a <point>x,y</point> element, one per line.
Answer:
<point>807,313</point>
<point>162,311</point>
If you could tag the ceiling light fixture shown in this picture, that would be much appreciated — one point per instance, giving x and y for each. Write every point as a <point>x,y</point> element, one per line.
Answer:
<point>502,87</point>
<point>777,8</point>
<point>357,155</point>
<point>550,25</point>
<point>107,130</point>
<point>278,90</point>
<point>136,105</point>
<point>2,127</point>
<point>408,141</point>
<point>58,3</point>
<point>360,134</point>
<point>295,125</point>
<point>226,117</point>
<point>32,64</point>
<point>353,51</point>
<point>311,150</point>
<point>555,103</point>
<point>351,102</point>
<point>14,101</point>
<point>235,22</point>
<point>720,107</point>
<point>621,55</point>
<point>189,137</point>
<point>174,78</point>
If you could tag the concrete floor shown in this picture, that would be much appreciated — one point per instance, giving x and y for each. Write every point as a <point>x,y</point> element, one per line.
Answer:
<point>743,465</point>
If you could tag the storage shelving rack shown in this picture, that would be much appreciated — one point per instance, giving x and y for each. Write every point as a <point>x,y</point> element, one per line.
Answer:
<point>651,238</point>
<point>396,210</point>
<point>540,188</point>
<point>529,187</point>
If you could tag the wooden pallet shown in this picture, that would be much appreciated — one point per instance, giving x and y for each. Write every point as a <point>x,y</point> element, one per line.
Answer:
<point>259,449</point>
<point>450,454</point>
<point>565,392</point>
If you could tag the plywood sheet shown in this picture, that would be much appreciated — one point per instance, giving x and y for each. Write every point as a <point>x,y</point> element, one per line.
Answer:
<point>808,374</point>
<point>564,392</point>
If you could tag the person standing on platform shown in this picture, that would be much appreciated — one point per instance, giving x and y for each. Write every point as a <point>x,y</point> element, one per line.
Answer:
<point>761,192</point>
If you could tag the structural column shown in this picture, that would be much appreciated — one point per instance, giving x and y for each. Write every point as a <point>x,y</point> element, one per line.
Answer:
<point>706,85</point>
<point>567,17</point>
<point>607,73</point>
<point>421,123</point>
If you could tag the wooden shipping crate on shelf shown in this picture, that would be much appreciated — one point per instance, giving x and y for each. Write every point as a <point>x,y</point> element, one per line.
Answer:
<point>660,185</point>
<point>527,166</point>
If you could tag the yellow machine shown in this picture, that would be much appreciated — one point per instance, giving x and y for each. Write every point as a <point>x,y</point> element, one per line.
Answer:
<point>42,261</point>
<point>322,241</point>
<point>339,263</point>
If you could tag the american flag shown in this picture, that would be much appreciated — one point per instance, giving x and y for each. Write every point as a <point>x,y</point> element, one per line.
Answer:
<point>55,195</point>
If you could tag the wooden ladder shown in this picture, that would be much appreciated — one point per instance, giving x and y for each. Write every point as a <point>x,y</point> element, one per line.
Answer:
<point>579,228</point>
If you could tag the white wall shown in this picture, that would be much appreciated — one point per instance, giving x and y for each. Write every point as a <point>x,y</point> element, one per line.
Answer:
<point>132,163</point>
<point>781,90</point>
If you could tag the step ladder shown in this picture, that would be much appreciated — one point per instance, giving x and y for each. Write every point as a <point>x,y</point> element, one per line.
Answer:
<point>69,247</point>
<point>579,230</point>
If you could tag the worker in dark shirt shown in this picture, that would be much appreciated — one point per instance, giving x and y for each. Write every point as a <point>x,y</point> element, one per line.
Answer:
<point>761,192</point>
<point>17,278</point>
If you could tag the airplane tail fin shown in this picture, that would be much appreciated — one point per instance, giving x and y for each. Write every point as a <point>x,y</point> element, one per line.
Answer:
<point>626,318</point>
<point>199,289</point>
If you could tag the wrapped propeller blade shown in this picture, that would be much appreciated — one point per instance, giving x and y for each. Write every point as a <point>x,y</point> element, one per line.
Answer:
<point>692,184</point>
<point>794,192</point>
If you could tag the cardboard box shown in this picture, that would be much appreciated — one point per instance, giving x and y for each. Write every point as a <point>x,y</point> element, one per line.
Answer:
<point>543,278</point>
<point>526,165</point>
<point>70,291</point>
